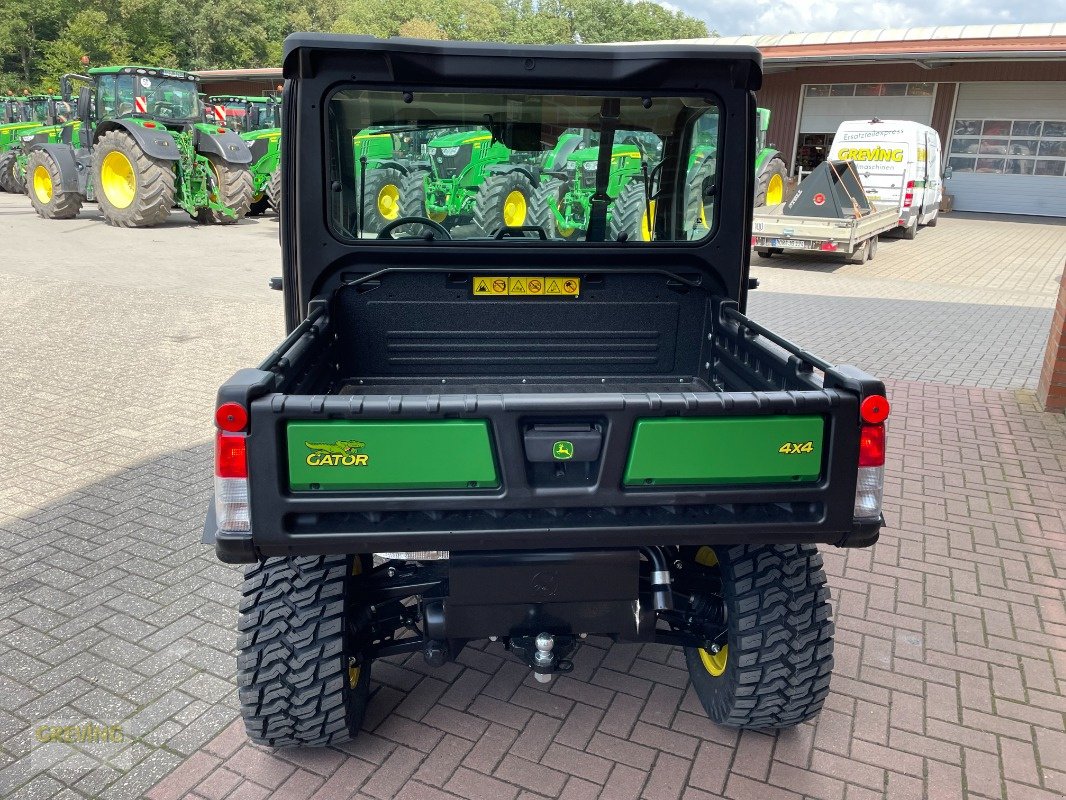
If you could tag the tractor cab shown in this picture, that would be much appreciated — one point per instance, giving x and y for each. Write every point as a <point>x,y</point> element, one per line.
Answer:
<point>164,96</point>
<point>243,114</point>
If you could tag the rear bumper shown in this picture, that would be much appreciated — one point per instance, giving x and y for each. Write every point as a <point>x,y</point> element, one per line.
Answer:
<point>613,528</point>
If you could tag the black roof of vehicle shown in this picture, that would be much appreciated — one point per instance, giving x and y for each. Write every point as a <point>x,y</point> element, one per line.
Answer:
<point>316,64</point>
<point>629,66</point>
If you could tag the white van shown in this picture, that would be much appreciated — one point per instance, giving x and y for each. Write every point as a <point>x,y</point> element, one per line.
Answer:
<point>899,164</point>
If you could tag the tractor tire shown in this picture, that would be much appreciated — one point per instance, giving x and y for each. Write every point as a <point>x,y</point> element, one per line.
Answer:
<point>505,199</point>
<point>300,678</point>
<point>629,214</point>
<point>383,199</point>
<point>133,189</point>
<point>235,192</point>
<point>413,196</point>
<point>540,212</point>
<point>42,180</point>
<point>8,181</point>
<point>774,670</point>
<point>770,185</point>
<point>696,223</point>
<point>273,190</point>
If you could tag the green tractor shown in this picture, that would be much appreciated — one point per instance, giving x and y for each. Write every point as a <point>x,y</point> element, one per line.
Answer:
<point>60,125</point>
<point>22,116</point>
<point>389,166</point>
<point>142,148</point>
<point>474,178</point>
<point>258,121</point>
<point>771,174</point>
<point>569,184</point>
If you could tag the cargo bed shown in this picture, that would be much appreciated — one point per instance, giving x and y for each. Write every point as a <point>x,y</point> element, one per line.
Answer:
<point>608,377</point>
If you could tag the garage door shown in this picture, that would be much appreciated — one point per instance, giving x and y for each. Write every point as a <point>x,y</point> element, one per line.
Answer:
<point>1008,148</point>
<point>826,105</point>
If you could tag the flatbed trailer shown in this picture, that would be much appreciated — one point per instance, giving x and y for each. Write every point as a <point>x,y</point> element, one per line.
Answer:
<point>773,232</point>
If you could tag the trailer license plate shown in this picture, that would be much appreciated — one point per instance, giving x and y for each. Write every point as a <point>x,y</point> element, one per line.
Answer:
<point>795,244</point>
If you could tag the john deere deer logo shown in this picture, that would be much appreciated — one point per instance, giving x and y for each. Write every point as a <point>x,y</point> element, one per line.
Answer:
<point>344,453</point>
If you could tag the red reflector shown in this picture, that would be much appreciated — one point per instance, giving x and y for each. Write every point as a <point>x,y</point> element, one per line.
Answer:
<point>231,417</point>
<point>149,124</point>
<point>231,456</point>
<point>828,247</point>
<point>872,446</point>
<point>221,130</point>
<point>874,409</point>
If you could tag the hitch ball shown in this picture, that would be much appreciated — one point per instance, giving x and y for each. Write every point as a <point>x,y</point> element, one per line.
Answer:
<point>544,659</point>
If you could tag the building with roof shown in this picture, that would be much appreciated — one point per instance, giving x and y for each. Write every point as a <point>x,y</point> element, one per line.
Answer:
<point>995,93</point>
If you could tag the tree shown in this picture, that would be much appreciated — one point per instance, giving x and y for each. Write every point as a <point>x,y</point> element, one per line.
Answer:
<point>41,39</point>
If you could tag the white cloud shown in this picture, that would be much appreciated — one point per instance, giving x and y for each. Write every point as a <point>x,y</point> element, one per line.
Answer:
<point>735,17</point>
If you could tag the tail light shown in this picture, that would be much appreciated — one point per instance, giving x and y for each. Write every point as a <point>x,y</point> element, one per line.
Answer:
<point>232,511</point>
<point>908,198</point>
<point>828,247</point>
<point>870,487</point>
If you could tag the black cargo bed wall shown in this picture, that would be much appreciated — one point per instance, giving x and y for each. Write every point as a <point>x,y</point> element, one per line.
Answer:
<point>408,327</point>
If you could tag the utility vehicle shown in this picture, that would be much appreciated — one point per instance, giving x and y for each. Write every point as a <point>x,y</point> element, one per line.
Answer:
<point>148,150</point>
<point>526,438</point>
<point>258,121</point>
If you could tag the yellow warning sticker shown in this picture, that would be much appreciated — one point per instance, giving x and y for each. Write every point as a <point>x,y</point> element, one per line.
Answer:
<point>525,286</point>
<point>568,286</point>
<point>490,285</point>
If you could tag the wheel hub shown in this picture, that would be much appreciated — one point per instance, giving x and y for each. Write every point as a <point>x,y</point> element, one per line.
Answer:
<point>42,184</point>
<point>118,181</point>
<point>515,209</point>
<point>388,201</point>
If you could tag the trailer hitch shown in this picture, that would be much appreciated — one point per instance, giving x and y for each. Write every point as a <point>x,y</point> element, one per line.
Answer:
<point>544,653</point>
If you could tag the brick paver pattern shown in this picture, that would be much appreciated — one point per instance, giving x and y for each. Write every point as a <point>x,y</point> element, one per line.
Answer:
<point>951,631</point>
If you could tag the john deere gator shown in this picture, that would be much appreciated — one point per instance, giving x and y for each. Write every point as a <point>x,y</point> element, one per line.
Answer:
<point>258,121</point>
<point>147,151</point>
<point>527,439</point>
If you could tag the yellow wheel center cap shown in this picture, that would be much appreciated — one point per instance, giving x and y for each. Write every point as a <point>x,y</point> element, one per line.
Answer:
<point>118,181</point>
<point>715,663</point>
<point>775,190</point>
<point>514,209</point>
<point>42,184</point>
<point>389,201</point>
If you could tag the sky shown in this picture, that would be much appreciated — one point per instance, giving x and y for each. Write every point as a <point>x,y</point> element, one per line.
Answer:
<point>736,17</point>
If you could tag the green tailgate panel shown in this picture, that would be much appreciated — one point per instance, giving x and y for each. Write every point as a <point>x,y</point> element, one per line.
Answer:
<point>343,454</point>
<point>737,450</point>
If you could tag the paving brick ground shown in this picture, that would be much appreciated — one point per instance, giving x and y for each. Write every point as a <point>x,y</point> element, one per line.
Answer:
<point>951,631</point>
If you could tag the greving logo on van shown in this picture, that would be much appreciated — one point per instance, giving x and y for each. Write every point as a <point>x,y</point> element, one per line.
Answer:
<point>870,154</point>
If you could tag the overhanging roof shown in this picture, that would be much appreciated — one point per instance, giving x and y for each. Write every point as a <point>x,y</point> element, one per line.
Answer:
<point>927,47</point>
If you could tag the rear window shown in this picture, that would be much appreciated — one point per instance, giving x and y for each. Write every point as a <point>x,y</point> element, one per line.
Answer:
<point>491,167</point>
